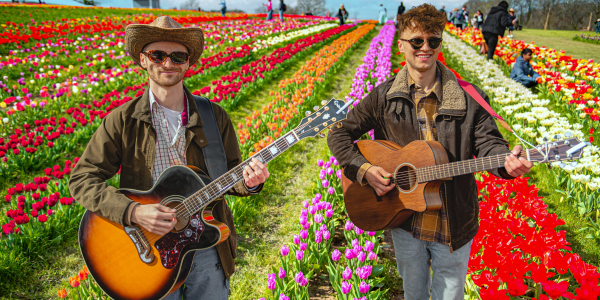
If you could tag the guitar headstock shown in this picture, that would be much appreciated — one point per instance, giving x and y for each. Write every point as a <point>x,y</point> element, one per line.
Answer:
<point>329,114</point>
<point>567,149</point>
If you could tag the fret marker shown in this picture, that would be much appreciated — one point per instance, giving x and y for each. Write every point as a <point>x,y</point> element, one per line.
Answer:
<point>290,139</point>
<point>233,176</point>
<point>207,196</point>
<point>218,185</point>
<point>260,159</point>
<point>273,150</point>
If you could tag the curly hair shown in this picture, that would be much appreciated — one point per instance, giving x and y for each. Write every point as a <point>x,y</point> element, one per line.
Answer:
<point>424,18</point>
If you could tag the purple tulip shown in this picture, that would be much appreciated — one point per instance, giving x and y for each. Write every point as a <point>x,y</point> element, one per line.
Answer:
<point>299,278</point>
<point>372,256</point>
<point>305,204</point>
<point>318,197</point>
<point>331,190</point>
<point>350,254</point>
<point>346,287</point>
<point>328,205</point>
<point>318,219</point>
<point>304,212</point>
<point>281,273</point>
<point>364,287</point>
<point>296,239</point>
<point>338,173</point>
<point>283,297</point>
<point>303,234</point>
<point>318,236</point>
<point>347,274</point>
<point>348,225</point>
<point>336,162</point>
<point>336,254</point>
<point>355,243</point>
<point>306,226</point>
<point>363,273</point>
<point>327,164</point>
<point>323,227</point>
<point>303,246</point>
<point>331,158</point>
<point>361,256</point>
<point>285,250</point>
<point>312,209</point>
<point>325,183</point>
<point>299,254</point>
<point>329,213</point>
<point>368,246</point>
<point>315,201</point>
<point>322,174</point>
<point>371,233</point>
<point>329,171</point>
<point>271,282</point>
<point>358,230</point>
<point>326,235</point>
<point>320,163</point>
<point>302,220</point>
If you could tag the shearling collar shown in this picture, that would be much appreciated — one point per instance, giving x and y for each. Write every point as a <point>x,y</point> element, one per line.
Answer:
<point>143,112</point>
<point>453,96</point>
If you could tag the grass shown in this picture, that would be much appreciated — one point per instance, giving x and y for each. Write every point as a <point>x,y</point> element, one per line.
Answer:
<point>560,40</point>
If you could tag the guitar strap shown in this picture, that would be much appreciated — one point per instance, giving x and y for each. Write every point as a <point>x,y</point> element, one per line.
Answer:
<point>473,93</point>
<point>214,152</point>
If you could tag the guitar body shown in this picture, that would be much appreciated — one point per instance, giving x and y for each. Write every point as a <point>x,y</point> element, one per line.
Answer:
<point>131,263</point>
<point>371,212</point>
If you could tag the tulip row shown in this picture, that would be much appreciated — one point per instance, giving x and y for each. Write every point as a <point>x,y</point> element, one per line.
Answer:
<point>594,39</point>
<point>518,252</point>
<point>570,83</point>
<point>530,117</point>
<point>252,75</point>
<point>311,251</point>
<point>82,285</point>
<point>268,123</point>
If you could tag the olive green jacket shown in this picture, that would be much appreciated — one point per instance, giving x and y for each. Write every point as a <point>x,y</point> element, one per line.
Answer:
<point>126,139</point>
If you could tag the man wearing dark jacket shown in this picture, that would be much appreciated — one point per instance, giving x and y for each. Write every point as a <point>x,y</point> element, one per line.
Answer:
<point>494,26</point>
<point>425,102</point>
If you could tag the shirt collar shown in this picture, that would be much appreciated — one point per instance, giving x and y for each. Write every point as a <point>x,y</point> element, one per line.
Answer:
<point>437,86</point>
<point>184,113</point>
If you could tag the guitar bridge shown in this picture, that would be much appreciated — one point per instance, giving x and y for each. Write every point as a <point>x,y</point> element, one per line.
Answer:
<point>141,244</point>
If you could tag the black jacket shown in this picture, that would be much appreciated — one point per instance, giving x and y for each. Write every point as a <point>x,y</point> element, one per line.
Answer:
<point>497,21</point>
<point>464,128</point>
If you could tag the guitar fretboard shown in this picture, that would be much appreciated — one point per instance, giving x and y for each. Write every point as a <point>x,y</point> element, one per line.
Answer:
<point>448,170</point>
<point>222,184</point>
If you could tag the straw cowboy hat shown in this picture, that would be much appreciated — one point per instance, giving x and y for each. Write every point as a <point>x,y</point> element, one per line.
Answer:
<point>512,9</point>
<point>163,29</point>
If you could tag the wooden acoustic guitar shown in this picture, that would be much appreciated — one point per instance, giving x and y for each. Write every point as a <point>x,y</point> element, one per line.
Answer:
<point>419,170</point>
<point>132,263</point>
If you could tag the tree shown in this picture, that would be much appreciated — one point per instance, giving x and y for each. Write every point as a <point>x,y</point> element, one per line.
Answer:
<point>316,7</point>
<point>190,5</point>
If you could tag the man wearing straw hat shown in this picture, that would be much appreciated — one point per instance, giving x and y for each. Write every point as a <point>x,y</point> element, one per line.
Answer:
<point>161,128</point>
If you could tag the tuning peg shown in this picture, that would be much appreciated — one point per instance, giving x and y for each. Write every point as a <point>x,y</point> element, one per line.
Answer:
<point>339,125</point>
<point>562,165</point>
<point>573,164</point>
<point>568,134</point>
<point>315,108</point>
<point>557,137</point>
<point>322,134</point>
<point>545,139</point>
<point>307,113</point>
<point>323,102</point>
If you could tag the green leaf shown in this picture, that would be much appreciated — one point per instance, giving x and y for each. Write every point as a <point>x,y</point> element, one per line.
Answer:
<point>377,270</point>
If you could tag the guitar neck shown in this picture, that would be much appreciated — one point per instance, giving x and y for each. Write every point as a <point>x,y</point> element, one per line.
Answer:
<point>224,183</point>
<point>458,168</point>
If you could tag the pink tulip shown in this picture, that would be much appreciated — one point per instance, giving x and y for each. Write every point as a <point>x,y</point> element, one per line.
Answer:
<point>364,287</point>
<point>303,246</point>
<point>361,256</point>
<point>299,254</point>
<point>318,237</point>
<point>326,235</point>
<point>318,219</point>
<point>296,239</point>
<point>358,230</point>
<point>335,255</point>
<point>368,246</point>
<point>303,234</point>
<point>285,250</point>
<point>372,256</point>
<point>347,274</point>
<point>348,225</point>
<point>346,287</point>
<point>329,213</point>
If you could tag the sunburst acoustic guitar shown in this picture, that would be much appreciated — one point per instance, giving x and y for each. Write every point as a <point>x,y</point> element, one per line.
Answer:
<point>132,263</point>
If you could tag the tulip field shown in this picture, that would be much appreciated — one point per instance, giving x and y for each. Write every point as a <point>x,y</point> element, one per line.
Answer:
<point>63,69</point>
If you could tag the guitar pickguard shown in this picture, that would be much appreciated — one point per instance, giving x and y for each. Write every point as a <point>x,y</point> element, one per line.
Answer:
<point>169,246</point>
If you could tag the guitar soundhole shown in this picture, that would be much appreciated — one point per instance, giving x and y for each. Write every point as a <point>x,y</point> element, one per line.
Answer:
<point>405,178</point>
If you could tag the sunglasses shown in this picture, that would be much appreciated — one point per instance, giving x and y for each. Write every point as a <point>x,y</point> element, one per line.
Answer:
<point>417,44</point>
<point>159,57</point>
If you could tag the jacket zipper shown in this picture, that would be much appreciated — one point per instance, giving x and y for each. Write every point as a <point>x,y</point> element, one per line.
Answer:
<point>446,208</point>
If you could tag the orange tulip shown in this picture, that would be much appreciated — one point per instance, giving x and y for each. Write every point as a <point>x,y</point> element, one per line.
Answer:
<point>62,293</point>
<point>83,274</point>
<point>74,281</point>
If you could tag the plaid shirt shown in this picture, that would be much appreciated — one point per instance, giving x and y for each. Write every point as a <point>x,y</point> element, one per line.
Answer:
<point>169,151</point>
<point>429,225</point>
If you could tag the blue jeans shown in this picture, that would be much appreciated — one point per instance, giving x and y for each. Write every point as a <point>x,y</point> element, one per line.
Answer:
<point>270,15</point>
<point>598,30</point>
<point>281,15</point>
<point>206,279</point>
<point>223,10</point>
<point>416,259</point>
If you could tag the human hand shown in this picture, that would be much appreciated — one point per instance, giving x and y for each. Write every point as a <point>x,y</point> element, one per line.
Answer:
<point>155,218</point>
<point>255,173</point>
<point>517,166</point>
<point>375,177</point>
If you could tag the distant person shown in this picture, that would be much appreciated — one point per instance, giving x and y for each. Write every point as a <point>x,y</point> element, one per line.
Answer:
<point>479,21</point>
<point>457,18</point>
<point>523,72</point>
<point>512,17</point>
<point>223,8</point>
<point>342,14</point>
<point>308,13</point>
<point>465,14</point>
<point>382,14</point>
<point>597,26</point>
<point>282,8</point>
<point>443,9</point>
<point>494,25</point>
<point>269,6</point>
<point>401,10</point>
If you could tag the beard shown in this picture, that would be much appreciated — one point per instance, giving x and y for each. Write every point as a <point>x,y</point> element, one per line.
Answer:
<point>165,80</point>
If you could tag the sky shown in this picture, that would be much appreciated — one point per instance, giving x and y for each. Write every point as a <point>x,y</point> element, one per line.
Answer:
<point>361,9</point>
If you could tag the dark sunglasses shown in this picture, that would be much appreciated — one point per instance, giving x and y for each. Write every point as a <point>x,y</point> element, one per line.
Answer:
<point>159,57</point>
<point>417,44</point>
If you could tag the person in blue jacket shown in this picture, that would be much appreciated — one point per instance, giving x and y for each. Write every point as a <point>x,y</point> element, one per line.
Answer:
<point>522,71</point>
